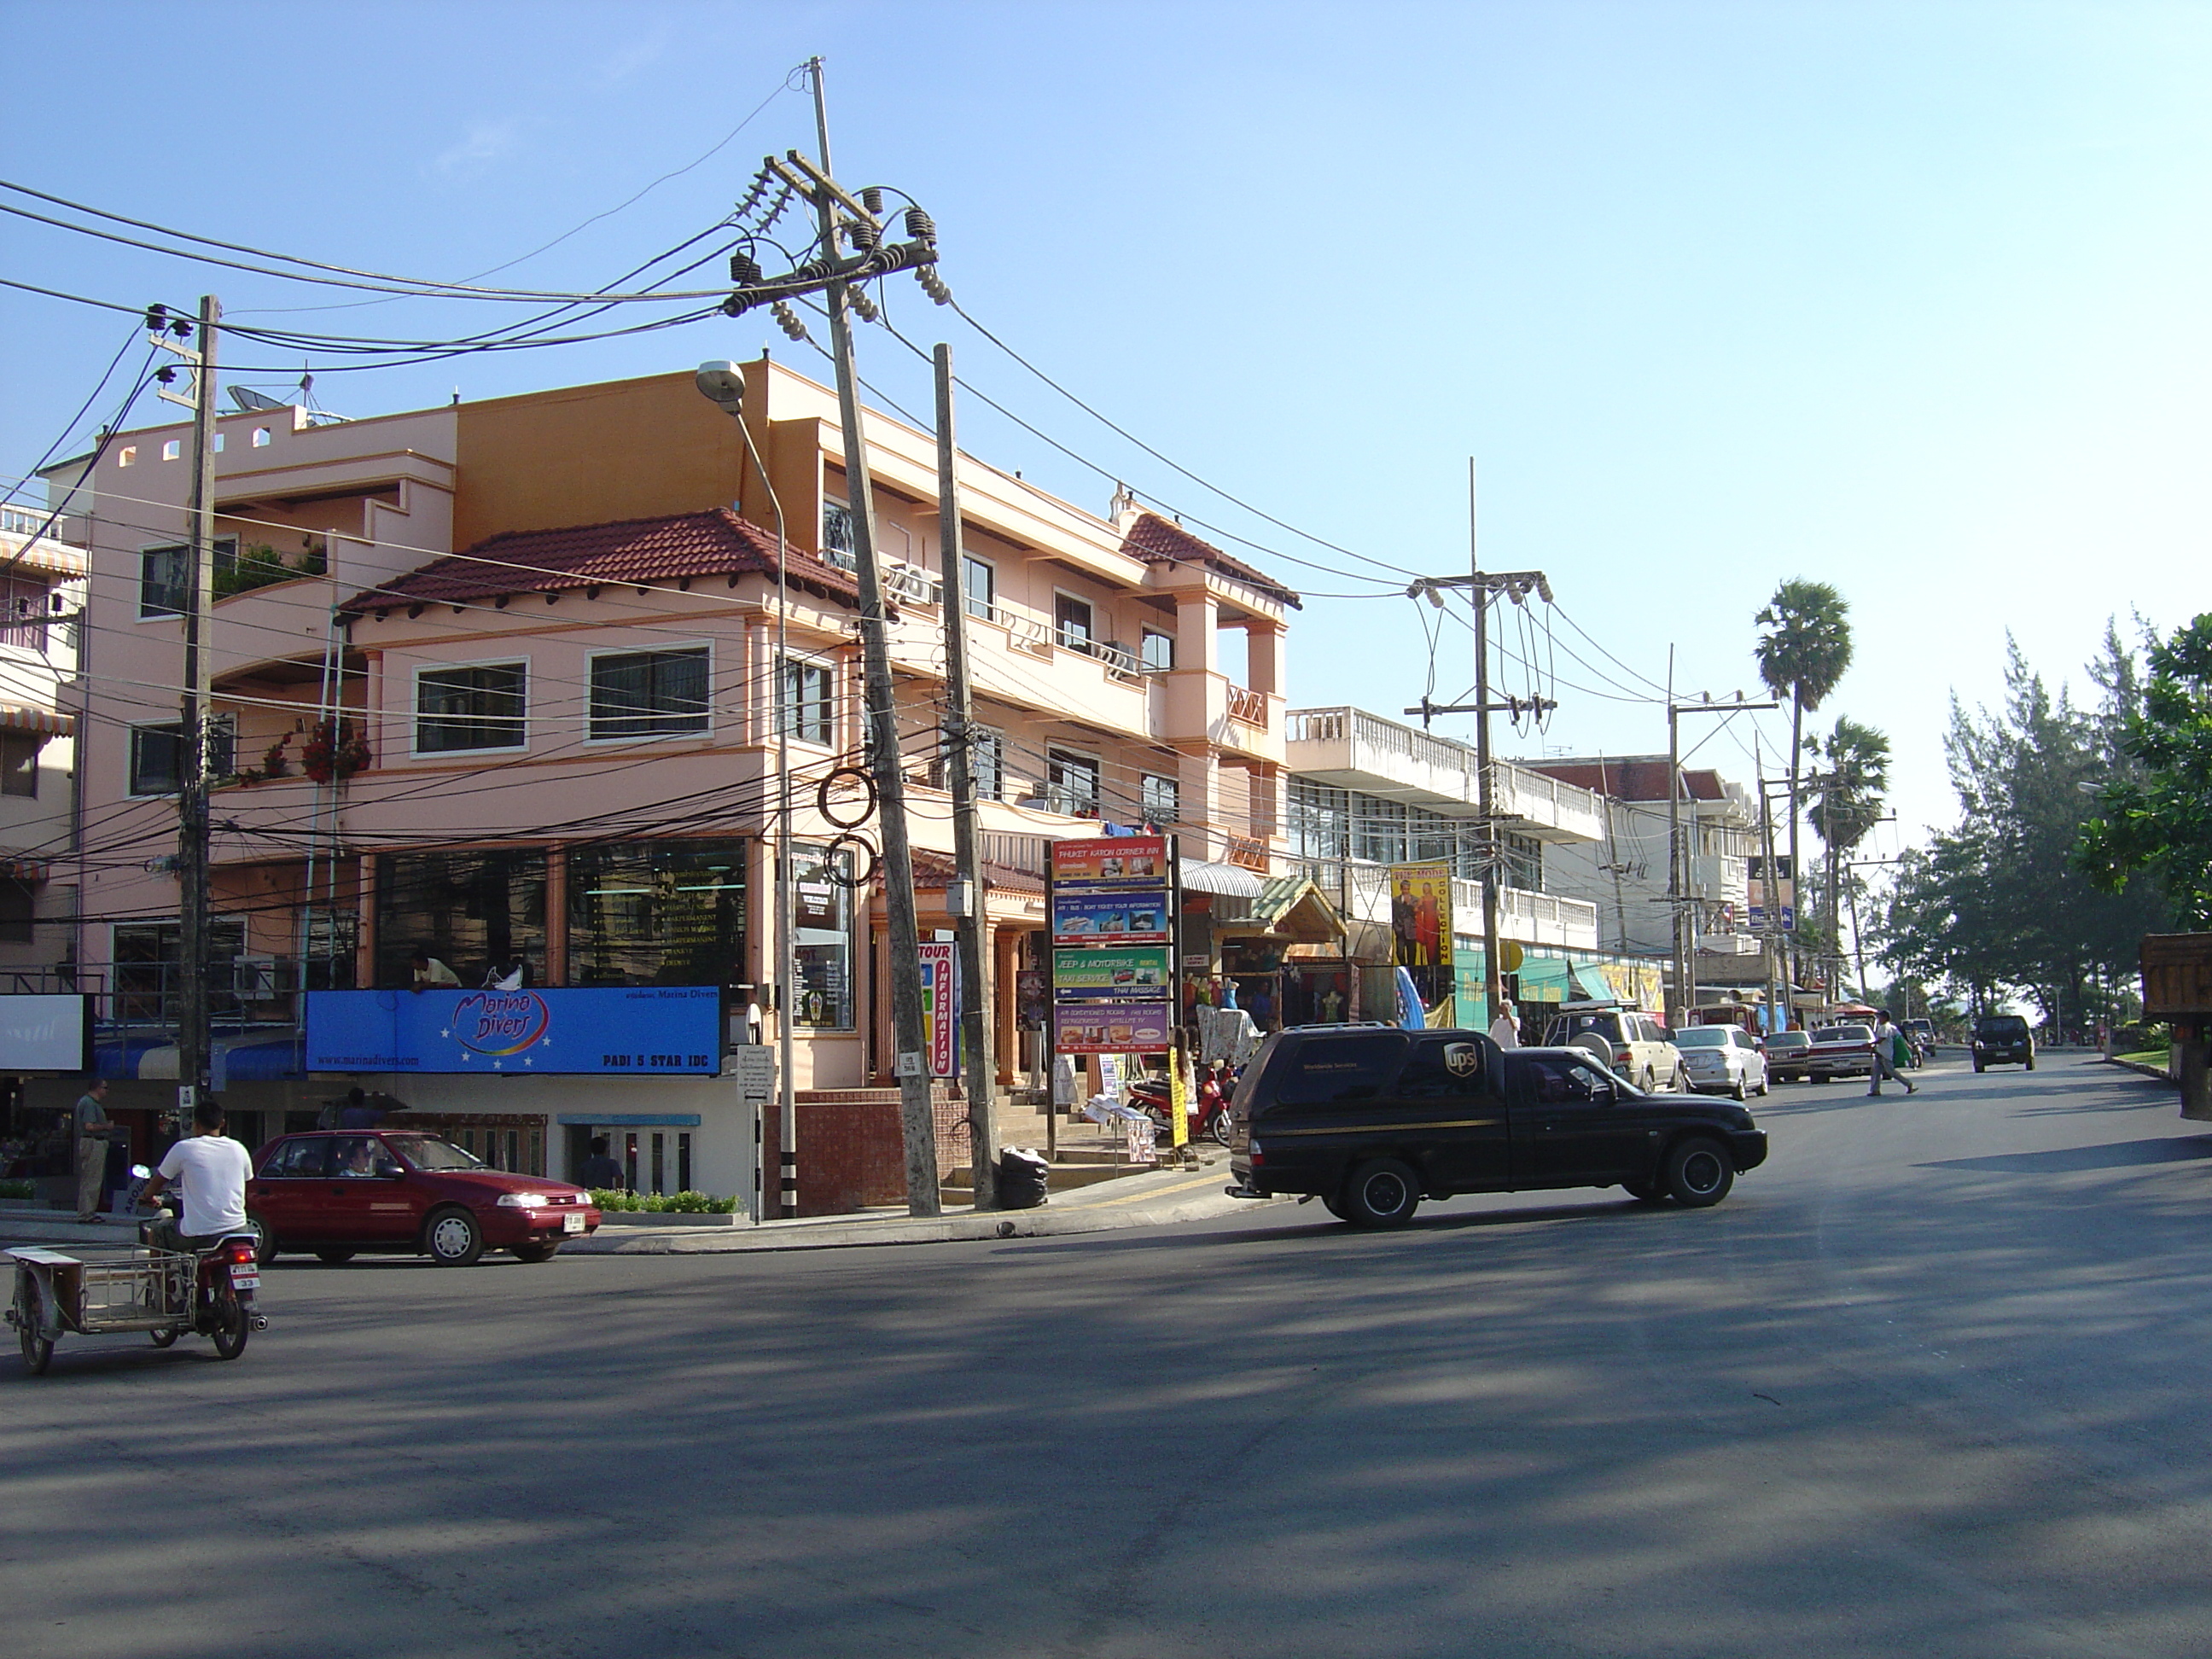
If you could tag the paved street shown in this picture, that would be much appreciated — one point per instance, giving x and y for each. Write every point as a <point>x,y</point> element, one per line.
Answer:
<point>1934,1380</point>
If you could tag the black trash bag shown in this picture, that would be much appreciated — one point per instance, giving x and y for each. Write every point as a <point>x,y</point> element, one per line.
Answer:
<point>1022,1178</point>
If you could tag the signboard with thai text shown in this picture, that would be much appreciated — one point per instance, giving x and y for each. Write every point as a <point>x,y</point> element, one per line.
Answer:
<point>1142,971</point>
<point>1111,1027</point>
<point>1101,916</point>
<point>1111,860</point>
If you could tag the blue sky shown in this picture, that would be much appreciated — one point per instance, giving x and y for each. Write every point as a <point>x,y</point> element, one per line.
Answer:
<point>1904,298</point>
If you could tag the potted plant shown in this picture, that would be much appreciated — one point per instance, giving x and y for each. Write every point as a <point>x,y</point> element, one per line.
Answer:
<point>335,750</point>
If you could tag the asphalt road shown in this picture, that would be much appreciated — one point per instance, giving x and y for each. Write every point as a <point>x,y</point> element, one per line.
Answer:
<point>1934,1381</point>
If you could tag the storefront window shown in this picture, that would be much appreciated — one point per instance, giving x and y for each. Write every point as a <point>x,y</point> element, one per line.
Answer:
<point>823,941</point>
<point>657,913</point>
<point>470,910</point>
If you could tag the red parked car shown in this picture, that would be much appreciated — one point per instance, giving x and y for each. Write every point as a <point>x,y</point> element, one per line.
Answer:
<point>336,1193</point>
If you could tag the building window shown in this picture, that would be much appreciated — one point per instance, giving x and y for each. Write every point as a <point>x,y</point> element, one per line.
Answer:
<point>147,956</point>
<point>649,693</point>
<point>1320,821</point>
<point>1159,652</point>
<point>986,764</point>
<point>165,576</point>
<point>473,911</point>
<point>822,939</point>
<point>657,913</point>
<point>157,755</point>
<point>1160,800</point>
<point>19,763</point>
<point>1070,784</point>
<point>804,701</point>
<point>1072,621</point>
<point>837,534</point>
<point>978,584</point>
<point>469,708</point>
<point>14,913</point>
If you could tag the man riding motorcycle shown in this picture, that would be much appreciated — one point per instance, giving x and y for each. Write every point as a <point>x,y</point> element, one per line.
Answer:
<point>212,1170</point>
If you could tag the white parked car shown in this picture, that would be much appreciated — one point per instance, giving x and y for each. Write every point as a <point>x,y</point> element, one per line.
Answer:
<point>1722,1060</point>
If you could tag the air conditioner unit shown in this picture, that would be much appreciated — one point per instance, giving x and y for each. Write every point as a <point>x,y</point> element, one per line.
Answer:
<point>254,977</point>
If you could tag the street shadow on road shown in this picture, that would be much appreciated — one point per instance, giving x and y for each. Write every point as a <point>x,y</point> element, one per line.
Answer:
<point>2117,1155</point>
<point>1321,1227</point>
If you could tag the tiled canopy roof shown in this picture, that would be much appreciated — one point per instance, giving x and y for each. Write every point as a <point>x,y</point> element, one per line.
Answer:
<point>715,543</point>
<point>1640,779</point>
<point>1156,541</point>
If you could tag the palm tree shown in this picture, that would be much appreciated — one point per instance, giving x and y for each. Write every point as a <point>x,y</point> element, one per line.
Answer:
<point>1849,803</point>
<point>1803,653</point>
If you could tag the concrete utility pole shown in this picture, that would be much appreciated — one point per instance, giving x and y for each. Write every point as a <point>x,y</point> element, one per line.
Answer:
<point>1770,893</point>
<point>968,918</point>
<point>1515,585</point>
<point>916,1119</point>
<point>1678,904</point>
<point>193,1058</point>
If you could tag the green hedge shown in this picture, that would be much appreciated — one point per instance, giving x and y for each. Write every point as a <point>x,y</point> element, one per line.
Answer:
<point>684,1203</point>
<point>19,1189</point>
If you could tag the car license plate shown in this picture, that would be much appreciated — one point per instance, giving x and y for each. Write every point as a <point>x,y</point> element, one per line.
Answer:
<point>573,1222</point>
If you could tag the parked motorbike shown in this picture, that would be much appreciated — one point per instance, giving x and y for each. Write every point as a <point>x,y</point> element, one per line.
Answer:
<point>1207,1114</point>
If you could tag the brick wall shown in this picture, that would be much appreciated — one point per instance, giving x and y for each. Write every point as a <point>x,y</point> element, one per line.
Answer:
<point>850,1153</point>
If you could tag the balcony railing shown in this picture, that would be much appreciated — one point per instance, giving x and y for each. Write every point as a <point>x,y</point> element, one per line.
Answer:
<point>1249,707</point>
<point>1405,756</point>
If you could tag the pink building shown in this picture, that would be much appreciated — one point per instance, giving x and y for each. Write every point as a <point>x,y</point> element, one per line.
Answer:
<point>500,679</point>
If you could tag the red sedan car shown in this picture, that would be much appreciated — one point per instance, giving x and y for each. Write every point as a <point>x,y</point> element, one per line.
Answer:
<point>336,1193</point>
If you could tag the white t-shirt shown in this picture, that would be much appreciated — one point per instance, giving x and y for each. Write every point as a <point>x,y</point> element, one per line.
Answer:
<point>211,1171</point>
<point>1504,1033</point>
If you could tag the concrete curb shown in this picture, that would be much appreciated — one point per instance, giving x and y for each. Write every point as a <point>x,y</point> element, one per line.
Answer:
<point>2141,1070</point>
<point>1203,1198</point>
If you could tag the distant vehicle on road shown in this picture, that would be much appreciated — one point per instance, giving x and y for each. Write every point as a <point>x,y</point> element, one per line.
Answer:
<point>1722,1060</point>
<point>1370,1120</point>
<point>1636,1046</point>
<point>338,1193</point>
<point>1840,1051</point>
<point>1921,1033</point>
<point>1788,1054</point>
<point>2002,1040</point>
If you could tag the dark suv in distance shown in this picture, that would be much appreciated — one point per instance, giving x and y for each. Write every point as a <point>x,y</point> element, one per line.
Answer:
<point>1372,1120</point>
<point>2002,1040</point>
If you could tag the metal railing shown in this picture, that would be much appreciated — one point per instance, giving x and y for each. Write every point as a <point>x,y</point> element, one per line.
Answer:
<point>1516,792</point>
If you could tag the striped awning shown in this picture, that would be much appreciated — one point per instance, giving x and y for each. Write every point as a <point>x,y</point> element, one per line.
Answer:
<point>1228,880</point>
<point>43,721</point>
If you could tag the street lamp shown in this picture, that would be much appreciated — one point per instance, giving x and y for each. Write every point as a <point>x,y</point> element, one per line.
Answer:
<point>722,383</point>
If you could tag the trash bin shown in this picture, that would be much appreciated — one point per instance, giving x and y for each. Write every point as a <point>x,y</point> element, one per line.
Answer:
<point>1023,1173</point>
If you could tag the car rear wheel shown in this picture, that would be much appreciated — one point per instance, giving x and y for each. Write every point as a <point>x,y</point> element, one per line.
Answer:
<point>1740,1091</point>
<point>545,1252</point>
<point>1381,1192</point>
<point>1699,1174</point>
<point>1649,1082</point>
<point>454,1239</point>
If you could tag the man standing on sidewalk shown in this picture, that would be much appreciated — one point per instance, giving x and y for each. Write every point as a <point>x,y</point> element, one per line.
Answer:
<point>94,1131</point>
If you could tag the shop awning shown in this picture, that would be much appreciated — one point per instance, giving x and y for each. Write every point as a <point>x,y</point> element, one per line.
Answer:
<point>1228,880</point>
<point>1287,908</point>
<point>44,722</point>
<point>1545,979</point>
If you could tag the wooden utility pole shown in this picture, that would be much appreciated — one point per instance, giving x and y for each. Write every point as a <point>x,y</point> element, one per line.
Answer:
<point>967,919</point>
<point>193,1046</point>
<point>910,1061</point>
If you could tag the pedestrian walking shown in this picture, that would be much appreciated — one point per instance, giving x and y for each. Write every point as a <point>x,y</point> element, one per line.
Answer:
<point>1505,1030</point>
<point>1886,1039</point>
<point>599,1169</point>
<point>94,1131</point>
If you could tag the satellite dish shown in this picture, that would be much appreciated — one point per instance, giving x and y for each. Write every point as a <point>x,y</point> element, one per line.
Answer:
<point>251,402</point>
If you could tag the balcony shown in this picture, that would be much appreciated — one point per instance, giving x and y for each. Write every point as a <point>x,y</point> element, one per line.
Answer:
<point>1530,918</point>
<point>1351,749</point>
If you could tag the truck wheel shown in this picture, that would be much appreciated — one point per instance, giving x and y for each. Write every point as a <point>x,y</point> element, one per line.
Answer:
<point>1699,1174</point>
<point>452,1239</point>
<point>1381,1192</point>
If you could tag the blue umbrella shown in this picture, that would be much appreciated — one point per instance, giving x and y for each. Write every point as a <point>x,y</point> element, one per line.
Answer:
<point>1410,1013</point>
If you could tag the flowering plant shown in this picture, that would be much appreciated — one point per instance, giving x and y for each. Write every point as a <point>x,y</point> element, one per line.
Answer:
<point>336,751</point>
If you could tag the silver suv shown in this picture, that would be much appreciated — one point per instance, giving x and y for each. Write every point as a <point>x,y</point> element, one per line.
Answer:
<point>1635,1045</point>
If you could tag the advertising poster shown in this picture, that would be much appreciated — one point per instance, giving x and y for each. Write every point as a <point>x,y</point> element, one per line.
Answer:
<point>1421,913</point>
<point>1110,1027</point>
<point>1085,917</point>
<point>1140,972</point>
<point>940,1009</point>
<point>648,1030</point>
<point>1112,861</point>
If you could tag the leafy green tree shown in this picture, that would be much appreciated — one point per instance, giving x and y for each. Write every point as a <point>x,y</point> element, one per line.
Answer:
<point>1802,655</point>
<point>2158,822</point>
<point>1853,786</point>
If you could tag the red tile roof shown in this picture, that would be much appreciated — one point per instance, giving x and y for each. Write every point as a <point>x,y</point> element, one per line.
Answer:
<point>932,870</point>
<point>715,543</point>
<point>1634,778</point>
<point>1156,541</point>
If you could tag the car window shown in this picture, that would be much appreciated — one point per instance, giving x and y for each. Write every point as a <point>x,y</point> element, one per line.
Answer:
<point>1702,1036</point>
<point>1557,1079</point>
<point>1442,1068</point>
<point>362,1156</point>
<point>1843,1034</point>
<point>297,1159</point>
<point>1339,1072</point>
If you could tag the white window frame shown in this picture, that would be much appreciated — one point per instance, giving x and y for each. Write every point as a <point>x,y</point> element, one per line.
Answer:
<point>591,664</point>
<point>1145,782</point>
<point>414,707</point>
<point>989,613</point>
<point>1098,779</point>
<point>804,659</point>
<point>1145,635</point>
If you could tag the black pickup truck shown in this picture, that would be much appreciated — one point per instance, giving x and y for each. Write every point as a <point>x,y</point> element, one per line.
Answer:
<point>1370,1120</point>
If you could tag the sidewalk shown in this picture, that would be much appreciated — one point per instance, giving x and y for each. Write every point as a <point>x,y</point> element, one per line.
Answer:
<point>1145,1200</point>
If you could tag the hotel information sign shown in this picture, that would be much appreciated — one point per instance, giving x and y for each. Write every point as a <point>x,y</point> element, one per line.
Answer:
<point>1113,931</point>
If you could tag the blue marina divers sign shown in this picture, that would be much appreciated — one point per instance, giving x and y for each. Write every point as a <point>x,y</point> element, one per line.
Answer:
<point>631,1031</point>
